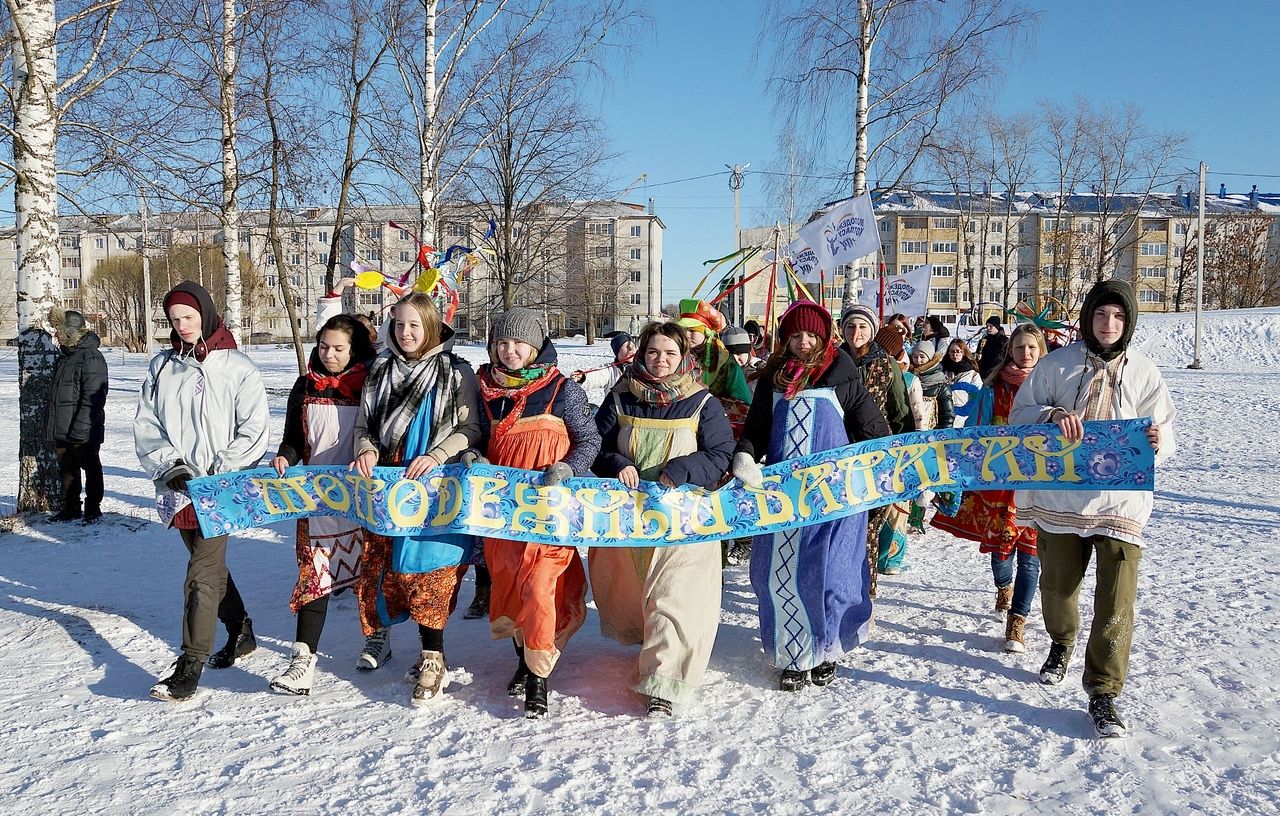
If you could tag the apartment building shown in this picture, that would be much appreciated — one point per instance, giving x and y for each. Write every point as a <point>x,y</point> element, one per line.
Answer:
<point>989,252</point>
<point>608,251</point>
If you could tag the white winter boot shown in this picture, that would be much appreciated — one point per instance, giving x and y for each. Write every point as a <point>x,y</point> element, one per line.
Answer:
<point>298,678</point>
<point>431,680</point>
<point>376,651</point>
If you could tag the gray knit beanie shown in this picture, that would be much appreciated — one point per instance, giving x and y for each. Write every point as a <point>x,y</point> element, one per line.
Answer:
<point>862,312</point>
<point>925,346</point>
<point>736,340</point>
<point>520,324</point>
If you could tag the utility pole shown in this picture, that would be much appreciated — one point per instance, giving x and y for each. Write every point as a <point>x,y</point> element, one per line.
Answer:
<point>1204,171</point>
<point>737,306</point>
<point>146,274</point>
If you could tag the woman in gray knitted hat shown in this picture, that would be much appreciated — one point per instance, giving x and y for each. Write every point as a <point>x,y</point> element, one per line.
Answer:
<point>534,418</point>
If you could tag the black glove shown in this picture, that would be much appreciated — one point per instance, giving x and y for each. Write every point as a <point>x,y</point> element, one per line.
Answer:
<point>176,477</point>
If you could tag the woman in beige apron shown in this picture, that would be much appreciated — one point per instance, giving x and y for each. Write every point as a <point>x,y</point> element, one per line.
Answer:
<point>661,425</point>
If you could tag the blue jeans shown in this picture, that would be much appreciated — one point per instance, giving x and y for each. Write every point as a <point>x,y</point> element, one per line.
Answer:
<point>1024,587</point>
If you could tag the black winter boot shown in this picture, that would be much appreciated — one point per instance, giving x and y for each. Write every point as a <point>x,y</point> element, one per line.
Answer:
<point>793,680</point>
<point>823,673</point>
<point>535,697</point>
<point>517,685</point>
<point>182,680</point>
<point>479,605</point>
<point>239,643</point>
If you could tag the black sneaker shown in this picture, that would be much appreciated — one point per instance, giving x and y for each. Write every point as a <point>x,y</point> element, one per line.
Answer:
<point>1055,665</point>
<point>822,674</point>
<point>792,680</point>
<point>659,707</point>
<point>182,680</point>
<point>1106,719</point>
<point>239,643</point>
<point>90,516</point>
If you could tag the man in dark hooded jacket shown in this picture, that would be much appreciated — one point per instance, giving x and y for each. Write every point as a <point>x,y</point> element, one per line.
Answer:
<point>77,417</point>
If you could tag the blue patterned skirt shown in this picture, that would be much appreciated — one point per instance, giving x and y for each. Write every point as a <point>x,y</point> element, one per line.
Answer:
<point>812,582</point>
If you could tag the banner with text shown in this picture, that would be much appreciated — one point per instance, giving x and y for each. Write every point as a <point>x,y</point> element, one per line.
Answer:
<point>486,500</point>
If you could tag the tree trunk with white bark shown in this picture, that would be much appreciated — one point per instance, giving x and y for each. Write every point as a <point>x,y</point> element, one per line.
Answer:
<point>230,212</point>
<point>35,77</point>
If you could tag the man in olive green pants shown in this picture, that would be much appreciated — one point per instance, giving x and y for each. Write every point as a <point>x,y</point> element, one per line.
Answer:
<point>1097,379</point>
<point>1063,561</point>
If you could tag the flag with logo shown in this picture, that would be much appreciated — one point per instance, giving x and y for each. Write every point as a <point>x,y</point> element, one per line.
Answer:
<point>908,294</point>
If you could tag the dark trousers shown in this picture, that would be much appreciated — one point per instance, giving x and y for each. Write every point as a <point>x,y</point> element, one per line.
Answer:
<point>1063,560</point>
<point>72,460</point>
<point>209,594</point>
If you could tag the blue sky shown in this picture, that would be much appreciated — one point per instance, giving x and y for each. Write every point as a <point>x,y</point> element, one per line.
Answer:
<point>692,99</point>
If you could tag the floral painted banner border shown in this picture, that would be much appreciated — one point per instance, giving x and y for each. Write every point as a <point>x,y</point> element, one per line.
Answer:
<point>486,500</point>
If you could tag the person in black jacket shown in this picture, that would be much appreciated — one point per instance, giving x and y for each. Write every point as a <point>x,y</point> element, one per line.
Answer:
<point>78,418</point>
<point>991,347</point>
<point>813,584</point>
<point>662,425</point>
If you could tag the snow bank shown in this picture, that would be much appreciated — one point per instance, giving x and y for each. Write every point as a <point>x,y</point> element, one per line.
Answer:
<point>1231,339</point>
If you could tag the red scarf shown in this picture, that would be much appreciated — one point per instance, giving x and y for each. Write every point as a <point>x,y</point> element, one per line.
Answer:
<point>349,383</point>
<point>1015,376</point>
<point>794,375</point>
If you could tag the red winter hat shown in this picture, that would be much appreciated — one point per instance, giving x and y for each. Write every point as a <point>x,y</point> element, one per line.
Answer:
<point>806,316</point>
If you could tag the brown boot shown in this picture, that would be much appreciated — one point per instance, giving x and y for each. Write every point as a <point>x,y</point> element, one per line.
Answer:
<point>1013,634</point>
<point>1004,601</point>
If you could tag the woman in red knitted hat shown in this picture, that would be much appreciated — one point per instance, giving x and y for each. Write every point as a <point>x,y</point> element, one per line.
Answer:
<point>813,584</point>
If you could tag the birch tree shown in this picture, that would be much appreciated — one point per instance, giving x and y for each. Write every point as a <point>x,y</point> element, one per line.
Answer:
<point>902,62</point>
<point>41,104</point>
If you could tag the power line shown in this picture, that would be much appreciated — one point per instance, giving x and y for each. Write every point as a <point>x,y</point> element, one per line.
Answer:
<point>1247,175</point>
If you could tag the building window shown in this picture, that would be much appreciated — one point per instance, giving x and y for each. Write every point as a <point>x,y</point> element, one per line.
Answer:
<point>1153,226</point>
<point>946,223</point>
<point>71,242</point>
<point>942,295</point>
<point>600,228</point>
<point>1150,296</point>
<point>1048,224</point>
<point>944,271</point>
<point>456,230</point>
<point>915,223</point>
<point>914,246</point>
<point>906,268</point>
<point>324,257</point>
<point>373,233</point>
<point>944,246</point>
<point>1086,252</point>
<point>322,237</point>
<point>70,263</point>
<point>100,243</point>
<point>1180,229</point>
<point>1155,249</point>
<point>405,236</point>
<point>70,283</point>
<point>1086,228</point>
<point>996,226</point>
<point>244,236</point>
<point>635,231</point>
<point>971,227</point>
<point>635,275</point>
<point>996,250</point>
<point>601,252</point>
<point>1155,271</point>
<point>406,256</point>
<point>884,225</point>
<point>119,243</point>
<point>635,300</point>
<point>373,254</point>
<point>1177,252</point>
<point>635,254</point>
<point>370,298</point>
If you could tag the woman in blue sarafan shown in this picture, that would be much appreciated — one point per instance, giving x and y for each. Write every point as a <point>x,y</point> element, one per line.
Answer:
<point>812,582</point>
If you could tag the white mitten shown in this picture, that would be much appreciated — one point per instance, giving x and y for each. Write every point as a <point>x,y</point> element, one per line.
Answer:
<point>745,470</point>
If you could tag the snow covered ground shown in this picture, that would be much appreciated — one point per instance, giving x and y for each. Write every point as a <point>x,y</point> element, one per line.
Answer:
<point>930,717</point>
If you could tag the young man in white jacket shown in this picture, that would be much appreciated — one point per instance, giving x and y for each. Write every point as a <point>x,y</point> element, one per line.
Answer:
<point>1099,378</point>
<point>202,411</point>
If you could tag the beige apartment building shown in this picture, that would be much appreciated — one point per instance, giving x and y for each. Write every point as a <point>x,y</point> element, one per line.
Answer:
<point>988,253</point>
<point>606,251</point>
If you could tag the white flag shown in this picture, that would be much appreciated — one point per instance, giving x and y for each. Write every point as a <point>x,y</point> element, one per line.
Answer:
<point>841,235</point>
<point>804,260</point>
<point>908,294</point>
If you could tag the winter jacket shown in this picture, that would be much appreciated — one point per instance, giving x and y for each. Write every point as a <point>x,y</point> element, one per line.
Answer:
<point>882,377</point>
<point>705,468</point>
<point>78,413</point>
<point>960,395</point>
<point>1062,380</point>
<point>210,414</point>
<point>570,405</point>
<point>862,417</point>
<point>991,352</point>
